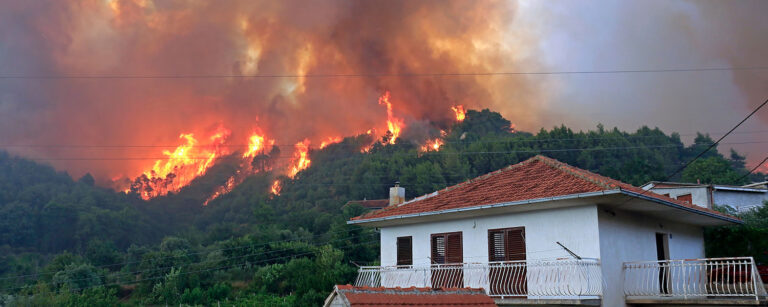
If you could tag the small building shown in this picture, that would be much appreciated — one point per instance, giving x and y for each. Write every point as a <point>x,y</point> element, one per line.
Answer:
<point>544,232</point>
<point>741,198</point>
<point>350,296</point>
<point>371,204</point>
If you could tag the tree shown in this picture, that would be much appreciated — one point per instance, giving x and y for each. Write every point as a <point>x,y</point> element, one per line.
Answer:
<point>712,170</point>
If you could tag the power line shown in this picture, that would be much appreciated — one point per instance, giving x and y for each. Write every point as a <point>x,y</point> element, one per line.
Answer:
<point>202,252</point>
<point>753,169</point>
<point>364,75</point>
<point>120,274</point>
<point>511,140</point>
<point>428,153</point>
<point>718,141</point>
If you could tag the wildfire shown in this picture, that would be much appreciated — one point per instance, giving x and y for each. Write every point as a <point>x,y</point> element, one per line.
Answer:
<point>276,187</point>
<point>300,160</point>
<point>432,145</point>
<point>394,124</point>
<point>256,144</point>
<point>184,164</point>
<point>460,112</point>
<point>329,141</point>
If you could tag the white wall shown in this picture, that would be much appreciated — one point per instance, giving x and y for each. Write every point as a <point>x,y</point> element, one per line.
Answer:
<point>699,195</point>
<point>738,199</point>
<point>628,237</point>
<point>574,227</point>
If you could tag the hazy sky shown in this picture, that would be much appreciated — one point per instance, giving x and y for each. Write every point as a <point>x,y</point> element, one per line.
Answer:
<point>148,37</point>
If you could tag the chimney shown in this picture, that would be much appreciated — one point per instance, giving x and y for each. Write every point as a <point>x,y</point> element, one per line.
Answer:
<point>396,195</point>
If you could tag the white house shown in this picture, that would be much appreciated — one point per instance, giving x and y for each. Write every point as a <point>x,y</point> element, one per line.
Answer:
<point>546,232</point>
<point>741,198</point>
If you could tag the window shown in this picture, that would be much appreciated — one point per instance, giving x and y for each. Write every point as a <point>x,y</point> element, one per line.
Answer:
<point>447,256</point>
<point>447,248</point>
<point>404,251</point>
<point>507,244</point>
<point>686,198</point>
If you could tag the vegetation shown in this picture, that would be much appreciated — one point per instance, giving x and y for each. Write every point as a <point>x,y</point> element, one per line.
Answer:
<point>67,242</point>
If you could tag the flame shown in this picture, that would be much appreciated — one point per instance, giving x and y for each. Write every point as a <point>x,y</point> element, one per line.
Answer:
<point>256,144</point>
<point>300,160</point>
<point>394,124</point>
<point>460,112</point>
<point>276,187</point>
<point>512,127</point>
<point>184,164</point>
<point>432,145</point>
<point>329,141</point>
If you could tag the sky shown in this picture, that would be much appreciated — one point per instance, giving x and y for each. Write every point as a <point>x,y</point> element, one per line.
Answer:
<point>236,38</point>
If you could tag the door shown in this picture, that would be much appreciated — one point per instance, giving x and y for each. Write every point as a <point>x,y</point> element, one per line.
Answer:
<point>507,255</point>
<point>662,254</point>
<point>447,259</point>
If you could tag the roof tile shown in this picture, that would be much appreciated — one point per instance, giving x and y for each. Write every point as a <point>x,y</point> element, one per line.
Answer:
<point>535,178</point>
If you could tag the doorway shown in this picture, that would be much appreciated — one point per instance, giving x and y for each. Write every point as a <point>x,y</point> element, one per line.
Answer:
<point>662,255</point>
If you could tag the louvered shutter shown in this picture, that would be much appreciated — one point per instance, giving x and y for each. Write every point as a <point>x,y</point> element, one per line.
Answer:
<point>438,249</point>
<point>496,250</point>
<point>515,244</point>
<point>404,251</point>
<point>453,248</point>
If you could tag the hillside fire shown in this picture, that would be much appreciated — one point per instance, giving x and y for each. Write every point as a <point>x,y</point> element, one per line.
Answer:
<point>184,164</point>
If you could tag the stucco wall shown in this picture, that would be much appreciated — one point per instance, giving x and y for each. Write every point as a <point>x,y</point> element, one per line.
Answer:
<point>575,227</point>
<point>739,200</point>
<point>628,237</point>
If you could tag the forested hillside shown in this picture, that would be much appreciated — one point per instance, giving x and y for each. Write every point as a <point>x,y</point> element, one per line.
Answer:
<point>67,242</point>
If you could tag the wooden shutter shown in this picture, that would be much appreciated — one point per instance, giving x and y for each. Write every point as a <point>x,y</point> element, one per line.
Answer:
<point>447,248</point>
<point>506,244</point>
<point>496,250</point>
<point>404,251</point>
<point>453,248</point>
<point>438,248</point>
<point>515,244</point>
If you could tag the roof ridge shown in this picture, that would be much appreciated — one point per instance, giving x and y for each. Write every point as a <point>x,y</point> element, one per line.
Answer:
<point>578,173</point>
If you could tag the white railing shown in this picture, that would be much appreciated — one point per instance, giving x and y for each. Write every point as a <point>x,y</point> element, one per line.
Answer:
<point>693,278</point>
<point>531,279</point>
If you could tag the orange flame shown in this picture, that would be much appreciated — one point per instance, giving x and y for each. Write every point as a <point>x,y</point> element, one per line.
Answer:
<point>432,145</point>
<point>329,141</point>
<point>394,124</point>
<point>256,144</point>
<point>184,164</point>
<point>460,112</point>
<point>300,160</point>
<point>276,187</point>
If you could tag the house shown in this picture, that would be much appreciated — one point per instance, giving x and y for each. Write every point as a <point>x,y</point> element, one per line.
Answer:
<point>741,198</point>
<point>350,296</point>
<point>544,232</point>
<point>371,204</point>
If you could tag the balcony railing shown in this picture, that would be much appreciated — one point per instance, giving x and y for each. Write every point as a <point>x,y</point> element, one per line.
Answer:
<point>524,279</point>
<point>693,278</point>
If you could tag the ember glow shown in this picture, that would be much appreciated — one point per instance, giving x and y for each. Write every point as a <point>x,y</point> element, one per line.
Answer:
<point>394,124</point>
<point>432,145</point>
<point>460,112</point>
<point>300,159</point>
<point>275,189</point>
<point>184,164</point>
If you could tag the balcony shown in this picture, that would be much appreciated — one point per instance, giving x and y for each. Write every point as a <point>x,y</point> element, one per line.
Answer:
<point>694,281</point>
<point>570,281</point>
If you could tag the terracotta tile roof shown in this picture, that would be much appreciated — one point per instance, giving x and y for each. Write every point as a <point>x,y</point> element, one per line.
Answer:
<point>380,297</point>
<point>370,204</point>
<point>535,178</point>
